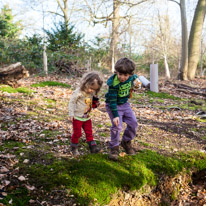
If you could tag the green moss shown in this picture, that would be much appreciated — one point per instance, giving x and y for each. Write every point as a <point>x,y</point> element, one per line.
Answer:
<point>11,144</point>
<point>50,133</point>
<point>103,134</point>
<point>193,159</point>
<point>8,89</point>
<point>24,90</point>
<point>160,100</point>
<point>50,83</point>
<point>19,197</point>
<point>51,101</point>
<point>200,120</point>
<point>144,143</point>
<point>31,113</point>
<point>161,95</point>
<point>13,90</point>
<point>137,96</point>
<point>6,125</point>
<point>96,177</point>
<point>108,124</point>
<point>151,101</point>
<point>175,193</point>
<point>99,126</point>
<point>159,163</point>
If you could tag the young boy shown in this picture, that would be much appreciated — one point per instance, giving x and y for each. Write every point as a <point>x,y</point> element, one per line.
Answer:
<point>119,110</point>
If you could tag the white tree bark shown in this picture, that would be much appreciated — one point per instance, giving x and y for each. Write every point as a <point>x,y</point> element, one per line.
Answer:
<point>184,58</point>
<point>182,73</point>
<point>115,31</point>
<point>45,60</point>
<point>167,71</point>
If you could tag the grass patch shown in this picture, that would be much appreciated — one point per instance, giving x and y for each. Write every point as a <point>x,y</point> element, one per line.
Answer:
<point>5,125</point>
<point>50,133</point>
<point>161,95</point>
<point>24,90</point>
<point>50,83</point>
<point>99,125</point>
<point>200,120</point>
<point>144,144</point>
<point>203,137</point>
<point>8,89</point>
<point>50,101</point>
<point>103,134</point>
<point>19,197</point>
<point>93,177</point>
<point>13,90</point>
<point>11,144</point>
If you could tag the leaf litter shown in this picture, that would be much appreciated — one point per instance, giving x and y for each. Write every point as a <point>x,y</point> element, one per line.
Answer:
<point>42,118</point>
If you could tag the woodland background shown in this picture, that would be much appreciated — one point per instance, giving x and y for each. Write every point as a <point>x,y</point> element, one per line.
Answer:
<point>146,31</point>
<point>36,165</point>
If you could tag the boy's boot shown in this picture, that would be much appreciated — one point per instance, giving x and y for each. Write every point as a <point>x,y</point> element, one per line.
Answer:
<point>93,147</point>
<point>127,145</point>
<point>114,153</point>
<point>75,151</point>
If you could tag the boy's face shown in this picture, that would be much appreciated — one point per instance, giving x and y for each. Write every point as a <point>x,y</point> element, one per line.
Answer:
<point>123,77</point>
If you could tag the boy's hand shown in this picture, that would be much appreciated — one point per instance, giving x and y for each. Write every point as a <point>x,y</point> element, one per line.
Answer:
<point>137,84</point>
<point>116,121</point>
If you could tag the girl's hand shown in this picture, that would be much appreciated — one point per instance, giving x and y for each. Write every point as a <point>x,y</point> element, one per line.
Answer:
<point>98,103</point>
<point>71,119</point>
<point>116,121</point>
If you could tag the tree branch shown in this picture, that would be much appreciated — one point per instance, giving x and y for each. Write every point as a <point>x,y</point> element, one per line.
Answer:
<point>132,4</point>
<point>52,12</point>
<point>175,2</point>
<point>60,5</point>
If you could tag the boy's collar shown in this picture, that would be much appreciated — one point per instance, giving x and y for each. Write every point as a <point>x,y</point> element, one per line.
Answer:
<point>116,81</point>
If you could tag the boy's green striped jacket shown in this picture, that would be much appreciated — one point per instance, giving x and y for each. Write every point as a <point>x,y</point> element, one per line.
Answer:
<point>118,92</point>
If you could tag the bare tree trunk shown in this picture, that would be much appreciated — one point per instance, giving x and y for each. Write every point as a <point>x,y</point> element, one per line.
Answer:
<point>115,30</point>
<point>182,72</point>
<point>167,71</point>
<point>195,38</point>
<point>184,59</point>
<point>64,9</point>
<point>201,58</point>
<point>45,60</point>
<point>130,40</point>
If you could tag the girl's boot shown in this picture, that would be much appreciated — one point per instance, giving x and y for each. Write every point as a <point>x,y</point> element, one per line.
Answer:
<point>74,149</point>
<point>93,147</point>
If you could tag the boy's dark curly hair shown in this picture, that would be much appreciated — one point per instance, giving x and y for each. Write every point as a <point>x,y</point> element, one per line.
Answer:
<point>125,66</point>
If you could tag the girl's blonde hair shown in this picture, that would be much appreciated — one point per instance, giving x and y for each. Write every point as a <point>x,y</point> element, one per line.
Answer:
<point>90,79</point>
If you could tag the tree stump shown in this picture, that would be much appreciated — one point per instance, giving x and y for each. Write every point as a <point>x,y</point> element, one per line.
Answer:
<point>11,74</point>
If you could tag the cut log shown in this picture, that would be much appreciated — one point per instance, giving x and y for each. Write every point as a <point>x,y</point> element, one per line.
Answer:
<point>70,68</point>
<point>11,74</point>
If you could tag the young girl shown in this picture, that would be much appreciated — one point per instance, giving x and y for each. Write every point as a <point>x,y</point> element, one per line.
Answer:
<point>81,103</point>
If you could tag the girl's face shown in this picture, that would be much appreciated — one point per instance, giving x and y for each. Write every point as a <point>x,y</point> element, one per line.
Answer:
<point>123,77</point>
<point>92,89</point>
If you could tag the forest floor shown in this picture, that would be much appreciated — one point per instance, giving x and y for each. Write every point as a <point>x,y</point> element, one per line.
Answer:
<point>34,118</point>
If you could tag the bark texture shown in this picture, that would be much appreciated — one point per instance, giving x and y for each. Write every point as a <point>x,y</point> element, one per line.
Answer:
<point>11,74</point>
<point>195,38</point>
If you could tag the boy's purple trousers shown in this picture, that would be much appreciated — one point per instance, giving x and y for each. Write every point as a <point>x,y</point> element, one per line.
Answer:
<point>125,115</point>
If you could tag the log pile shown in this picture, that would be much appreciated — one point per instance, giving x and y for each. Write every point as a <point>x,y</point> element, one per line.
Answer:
<point>190,90</point>
<point>70,68</point>
<point>11,74</point>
